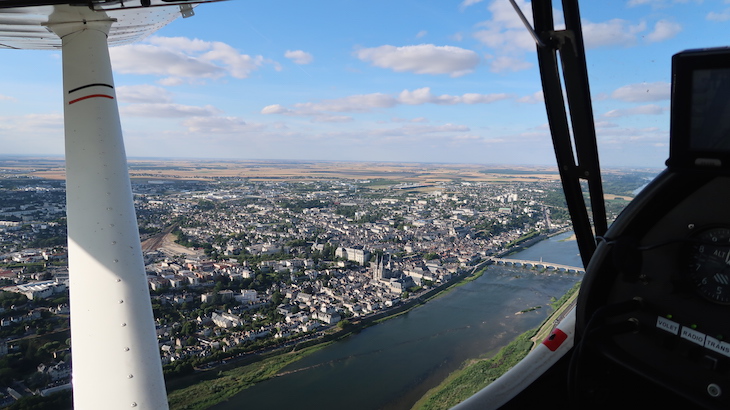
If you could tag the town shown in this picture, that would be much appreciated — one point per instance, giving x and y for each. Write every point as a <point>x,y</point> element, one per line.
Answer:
<point>237,266</point>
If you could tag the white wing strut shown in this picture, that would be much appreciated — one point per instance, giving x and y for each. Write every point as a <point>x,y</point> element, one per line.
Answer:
<point>116,362</point>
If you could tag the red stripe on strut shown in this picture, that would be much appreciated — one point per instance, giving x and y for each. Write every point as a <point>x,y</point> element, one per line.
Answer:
<point>90,96</point>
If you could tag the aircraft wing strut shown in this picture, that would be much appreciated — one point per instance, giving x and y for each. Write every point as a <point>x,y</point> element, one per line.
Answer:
<point>116,360</point>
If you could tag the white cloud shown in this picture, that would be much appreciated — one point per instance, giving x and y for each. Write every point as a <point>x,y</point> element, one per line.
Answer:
<point>506,40</point>
<point>535,98</point>
<point>424,96</point>
<point>171,81</point>
<point>650,109</point>
<point>180,43</point>
<point>718,16</point>
<point>510,41</point>
<point>220,125</point>
<point>474,98</point>
<point>431,129</point>
<point>502,64</point>
<point>467,137</point>
<point>621,135</point>
<point>238,65</point>
<point>422,59</point>
<point>663,30</point>
<point>143,93</point>
<point>634,3</point>
<point>369,102</point>
<point>183,58</point>
<point>506,35</point>
<point>353,103</point>
<point>275,109</point>
<point>657,4</point>
<point>416,120</point>
<point>421,34</point>
<point>32,134</point>
<point>615,32</point>
<point>605,125</point>
<point>35,126</point>
<point>413,133</point>
<point>504,15</point>
<point>160,110</point>
<point>466,3</point>
<point>148,59</point>
<point>299,56</point>
<point>332,118</point>
<point>643,92</point>
<point>30,123</point>
<point>6,98</point>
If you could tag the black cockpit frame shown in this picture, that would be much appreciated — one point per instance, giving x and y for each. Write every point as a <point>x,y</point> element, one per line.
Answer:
<point>640,277</point>
<point>576,152</point>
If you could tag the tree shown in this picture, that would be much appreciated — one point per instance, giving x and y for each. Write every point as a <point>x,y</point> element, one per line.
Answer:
<point>189,328</point>
<point>276,298</point>
<point>430,256</point>
<point>7,376</point>
<point>37,379</point>
<point>205,205</point>
<point>219,286</point>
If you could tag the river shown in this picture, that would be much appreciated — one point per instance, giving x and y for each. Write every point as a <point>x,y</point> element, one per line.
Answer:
<point>391,365</point>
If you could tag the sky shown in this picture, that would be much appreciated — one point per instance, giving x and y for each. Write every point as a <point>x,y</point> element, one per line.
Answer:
<point>398,80</point>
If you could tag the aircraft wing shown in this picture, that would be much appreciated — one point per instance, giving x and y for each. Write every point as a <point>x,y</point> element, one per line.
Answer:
<point>23,23</point>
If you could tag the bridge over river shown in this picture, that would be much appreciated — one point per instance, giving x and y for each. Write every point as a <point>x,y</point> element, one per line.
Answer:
<point>537,265</point>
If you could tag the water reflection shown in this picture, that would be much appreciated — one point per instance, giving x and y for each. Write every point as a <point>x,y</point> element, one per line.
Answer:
<point>391,365</point>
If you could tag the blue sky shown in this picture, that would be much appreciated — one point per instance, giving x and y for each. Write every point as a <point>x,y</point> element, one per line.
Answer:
<point>415,81</point>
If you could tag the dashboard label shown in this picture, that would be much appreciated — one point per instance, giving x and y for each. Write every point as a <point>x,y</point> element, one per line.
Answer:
<point>668,325</point>
<point>717,346</point>
<point>693,336</point>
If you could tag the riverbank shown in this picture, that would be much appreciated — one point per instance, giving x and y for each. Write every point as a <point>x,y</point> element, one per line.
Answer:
<point>226,384</point>
<point>207,388</point>
<point>467,321</point>
<point>478,373</point>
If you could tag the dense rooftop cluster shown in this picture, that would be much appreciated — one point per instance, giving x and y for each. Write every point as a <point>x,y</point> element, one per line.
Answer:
<point>258,264</point>
<point>314,253</point>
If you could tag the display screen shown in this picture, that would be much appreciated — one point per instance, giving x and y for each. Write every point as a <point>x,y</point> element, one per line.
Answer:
<point>710,110</point>
<point>700,129</point>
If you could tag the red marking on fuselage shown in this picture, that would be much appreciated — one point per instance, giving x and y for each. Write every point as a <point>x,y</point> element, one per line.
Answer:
<point>556,338</point>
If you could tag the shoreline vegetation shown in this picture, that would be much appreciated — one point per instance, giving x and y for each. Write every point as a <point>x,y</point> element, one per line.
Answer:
<point>476,374</point>
<point>210,387</point>
<point>206,388</point>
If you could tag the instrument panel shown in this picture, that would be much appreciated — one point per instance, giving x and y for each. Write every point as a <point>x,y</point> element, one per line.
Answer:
<point>708,263</point>
<point>656,296</point>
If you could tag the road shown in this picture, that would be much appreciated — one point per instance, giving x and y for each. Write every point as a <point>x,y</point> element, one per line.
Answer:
<point>165,243</point>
